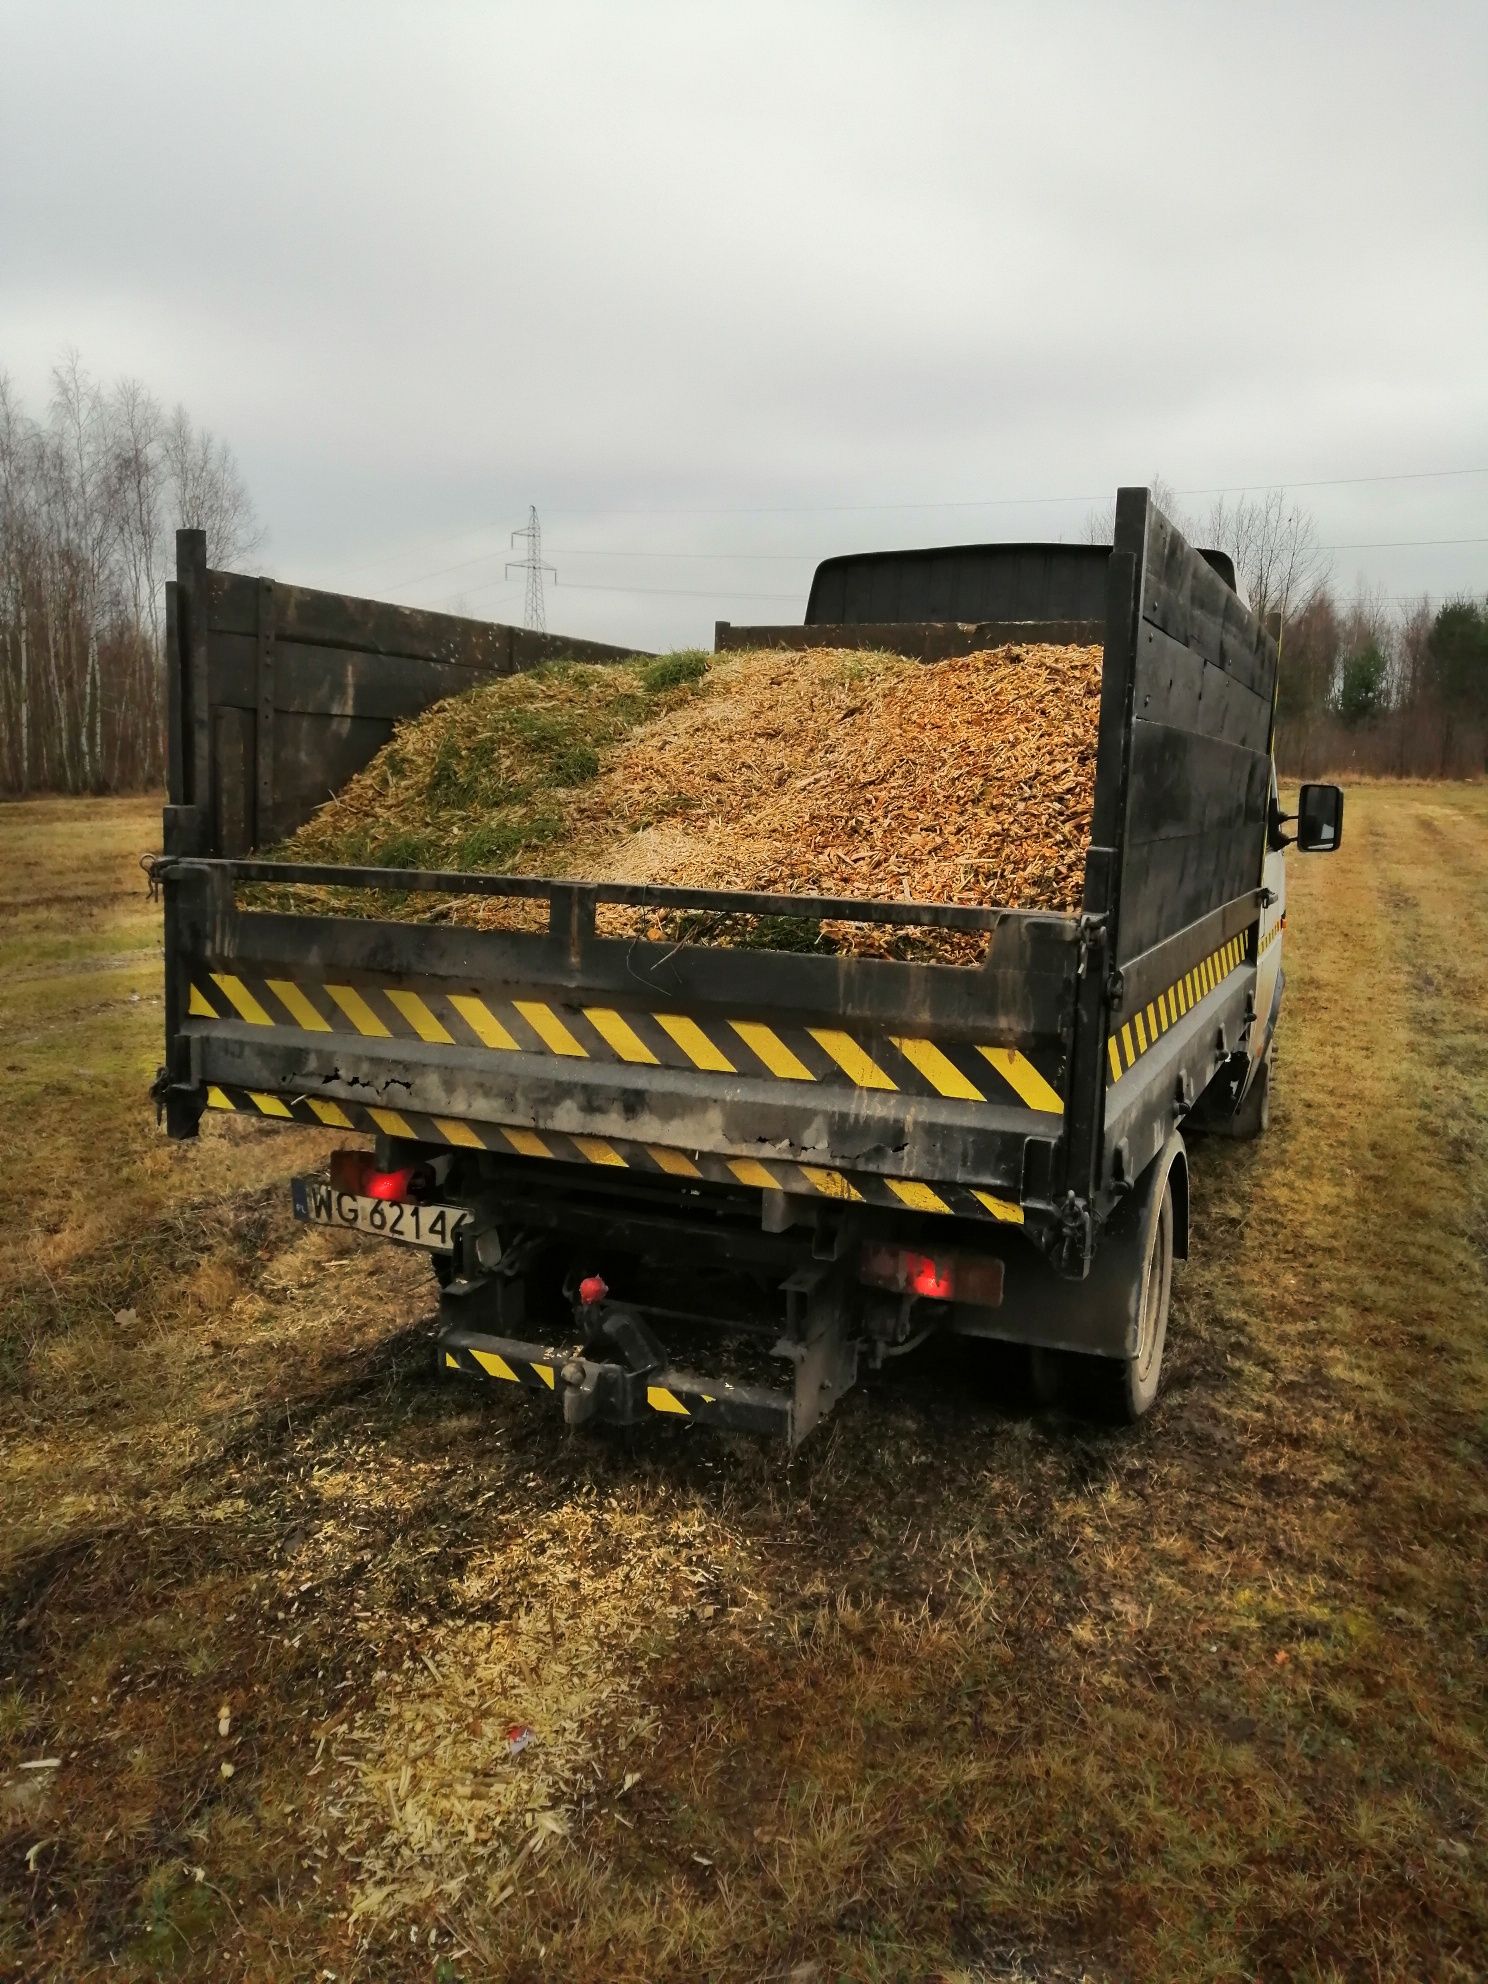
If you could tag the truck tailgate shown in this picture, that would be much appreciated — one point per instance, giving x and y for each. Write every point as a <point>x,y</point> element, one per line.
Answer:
<point>927,1087</point>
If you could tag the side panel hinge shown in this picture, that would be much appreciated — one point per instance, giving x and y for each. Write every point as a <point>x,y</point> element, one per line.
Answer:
<point>1092,949</point>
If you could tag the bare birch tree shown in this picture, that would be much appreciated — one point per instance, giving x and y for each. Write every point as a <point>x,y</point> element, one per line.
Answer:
<point>1273,542</point>
<point>90,496</point>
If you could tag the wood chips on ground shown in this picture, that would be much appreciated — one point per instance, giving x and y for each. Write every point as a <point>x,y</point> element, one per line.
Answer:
<point>482,1747</point>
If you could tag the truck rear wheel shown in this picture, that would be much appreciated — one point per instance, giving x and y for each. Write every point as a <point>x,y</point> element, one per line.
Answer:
<point>1135,1276</point>
<point>1120,1390</point>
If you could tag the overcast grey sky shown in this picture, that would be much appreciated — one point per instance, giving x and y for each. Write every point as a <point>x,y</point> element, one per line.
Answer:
<point>688,276</point>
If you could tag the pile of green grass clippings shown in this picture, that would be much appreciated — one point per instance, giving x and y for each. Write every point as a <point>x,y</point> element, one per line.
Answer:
<point>484,780</point>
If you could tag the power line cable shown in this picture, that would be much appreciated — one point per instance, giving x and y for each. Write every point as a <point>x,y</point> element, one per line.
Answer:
<point>758,557</point>
<point>1334,481</point>
<point>1004,502</point>
<point>679,592</point>
<point>812,558</point>
<point>1398,543</point>
<point>961,503</point>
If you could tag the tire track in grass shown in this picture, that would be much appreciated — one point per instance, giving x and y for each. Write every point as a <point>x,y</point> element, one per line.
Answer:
<point>1402,1773</point>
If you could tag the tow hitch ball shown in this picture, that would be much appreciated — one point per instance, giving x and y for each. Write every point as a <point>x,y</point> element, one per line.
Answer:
<point>605,1327</point>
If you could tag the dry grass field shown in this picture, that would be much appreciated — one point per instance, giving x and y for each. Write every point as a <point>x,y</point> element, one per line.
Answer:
<point>962,1691</point>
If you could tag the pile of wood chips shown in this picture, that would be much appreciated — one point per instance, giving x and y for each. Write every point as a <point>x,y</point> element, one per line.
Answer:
<point>836,772</point>
<point>826,772</point>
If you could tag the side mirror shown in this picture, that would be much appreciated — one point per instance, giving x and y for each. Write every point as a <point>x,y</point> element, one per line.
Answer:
<point>1319,819</point>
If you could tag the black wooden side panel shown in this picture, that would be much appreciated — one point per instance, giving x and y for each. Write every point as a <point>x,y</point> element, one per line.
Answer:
<point>1186,597</point>
<point>1183,782</point>
<point>280,693</point>
<point>324,681</point>
<point>314,756</point>
<point>371,626</point>
<point>1198,753</point>
<point>1202,806</point>
<point>529,650</point>
<point>922,640</point>
<point>1176,685</point>
<point>1182,879</point>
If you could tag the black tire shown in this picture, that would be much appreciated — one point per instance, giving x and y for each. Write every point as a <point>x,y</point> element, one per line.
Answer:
<point>1136,1278</point>
<point>1119,1390</point>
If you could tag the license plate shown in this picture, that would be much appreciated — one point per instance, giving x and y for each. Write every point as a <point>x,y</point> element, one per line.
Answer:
<point>420,1225</point>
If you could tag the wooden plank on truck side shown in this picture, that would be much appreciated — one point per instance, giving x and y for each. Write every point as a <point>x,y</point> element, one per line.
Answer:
<point>1186,597</point>
<point>316,755</point>
<point>233,751</point>
<point>336,620</point>
<point>1177,685</point>
<point>1167,962</point>
<point>921,640</point>
<point>177,703</point>
<point>324,681</point>
<point>191,610</point>
<point>1183,879</point>
<point>1185,782</point>
<point>263,733</point>
<point>530,650</point>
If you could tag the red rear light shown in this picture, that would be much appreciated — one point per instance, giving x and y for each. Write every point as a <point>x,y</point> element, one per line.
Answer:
<point>935,1279</point>
<point>356,1171</point>
<point>975,1278</point>
<point>390,1184</point>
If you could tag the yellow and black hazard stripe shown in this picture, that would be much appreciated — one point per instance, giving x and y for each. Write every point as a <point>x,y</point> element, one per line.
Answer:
<point>534,1372</point>
<point>972,1071</point>
<point>1269,937</point>
<point>676,1394</point>
<point>1126,1044</point>
<point>507,1140</point>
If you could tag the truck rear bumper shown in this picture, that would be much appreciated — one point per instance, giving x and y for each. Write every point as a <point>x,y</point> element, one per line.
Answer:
<point>606,1391</point>
<point>779,1164</point>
